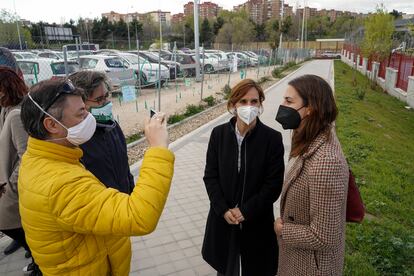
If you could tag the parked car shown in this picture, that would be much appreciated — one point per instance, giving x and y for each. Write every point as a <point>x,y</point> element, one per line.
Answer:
<point>330,54</point>
<point>24,55</point>
<point>73,55</point>
<point>153,58</point>
<point>242,59</point>
<point>35,70</point>
<point>51,54</point>
<point>188,63</point>
<point>223,59</point>
<point>149,71</point>
<point>115,67</point>
<point>211,62</point>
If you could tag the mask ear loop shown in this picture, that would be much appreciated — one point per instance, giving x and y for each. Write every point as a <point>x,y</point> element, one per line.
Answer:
<point>38,106</point>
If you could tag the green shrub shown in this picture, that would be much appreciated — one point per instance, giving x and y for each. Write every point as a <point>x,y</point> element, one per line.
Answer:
<point>360,93</point>
<point>277,73</point>
<point>175,118</point>
<point>193,109</point>
<point>263,79</point>
<point>210,100</point>
<point>226,91</point>
<point>133,137</point>
<point>289,64</point>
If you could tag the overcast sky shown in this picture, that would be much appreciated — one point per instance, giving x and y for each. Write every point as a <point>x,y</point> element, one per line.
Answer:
<point>63,10</point>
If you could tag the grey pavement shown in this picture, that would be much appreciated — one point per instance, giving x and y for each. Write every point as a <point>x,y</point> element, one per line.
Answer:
<point>174,247</point>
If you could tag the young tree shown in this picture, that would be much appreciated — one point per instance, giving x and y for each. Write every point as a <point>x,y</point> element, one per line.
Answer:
<point>206,33</point>
<point>8,31</point>
<point>225,35</point>
<point>217,25</point>
<point>273,32</point>
<point>379,28</point>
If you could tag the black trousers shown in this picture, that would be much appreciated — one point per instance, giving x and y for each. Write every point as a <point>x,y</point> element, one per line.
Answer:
<point>17,235</point>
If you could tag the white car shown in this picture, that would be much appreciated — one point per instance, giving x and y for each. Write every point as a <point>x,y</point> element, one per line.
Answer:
<point>51,54</point>
<point>211,63</point>
<point>115,67</point>
<point>223,59</point>
<point>35,70</point>
<point>149,71</point>
<point>24,55</point>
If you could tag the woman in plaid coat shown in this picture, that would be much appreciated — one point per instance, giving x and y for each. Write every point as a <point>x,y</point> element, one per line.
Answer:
<point>311,229</point>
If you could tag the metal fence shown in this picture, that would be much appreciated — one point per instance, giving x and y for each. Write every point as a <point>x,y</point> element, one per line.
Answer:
<point>403,62</point>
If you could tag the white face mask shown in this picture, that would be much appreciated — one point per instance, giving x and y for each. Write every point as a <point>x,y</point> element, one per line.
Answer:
<point>78,134</point>
<point>247,113</point>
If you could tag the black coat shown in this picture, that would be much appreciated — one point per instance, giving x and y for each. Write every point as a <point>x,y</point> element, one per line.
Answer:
<point>262,154</point>
<point>105,155</point>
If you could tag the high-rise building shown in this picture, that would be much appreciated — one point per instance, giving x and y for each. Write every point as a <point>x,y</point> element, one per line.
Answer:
<point>165,17</point>
<point>189,9</point>
<point>287,11</point>
<point>206,9</point>
<point>209,10</point>
<point>177,18</point>
<point>114,17</point>
<point>262,10</point>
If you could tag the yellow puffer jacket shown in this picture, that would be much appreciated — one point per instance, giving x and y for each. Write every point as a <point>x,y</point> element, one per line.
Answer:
<point>76,226</point>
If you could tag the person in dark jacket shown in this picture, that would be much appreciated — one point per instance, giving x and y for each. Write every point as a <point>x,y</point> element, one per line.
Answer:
<point>243,177</point>
<point>105,154</point>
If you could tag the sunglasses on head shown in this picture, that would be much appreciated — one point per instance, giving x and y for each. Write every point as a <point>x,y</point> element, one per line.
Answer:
<point>68,88</point>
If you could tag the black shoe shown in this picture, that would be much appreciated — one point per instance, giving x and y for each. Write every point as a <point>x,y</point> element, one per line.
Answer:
<point>12,247</point>
<point>27,255</point>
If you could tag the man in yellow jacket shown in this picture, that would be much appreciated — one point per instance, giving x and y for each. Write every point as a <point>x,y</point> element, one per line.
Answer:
<point>75,225</point>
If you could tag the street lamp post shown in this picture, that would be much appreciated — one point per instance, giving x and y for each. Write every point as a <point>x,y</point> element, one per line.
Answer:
<point>17,24</point>
<point>281,27</point>
<point>197,40</point>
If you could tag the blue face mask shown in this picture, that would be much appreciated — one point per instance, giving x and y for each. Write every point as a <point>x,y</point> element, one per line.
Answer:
<point>102,113</point>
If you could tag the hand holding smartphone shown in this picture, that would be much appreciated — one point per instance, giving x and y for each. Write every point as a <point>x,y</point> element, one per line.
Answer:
<point>152,112</point>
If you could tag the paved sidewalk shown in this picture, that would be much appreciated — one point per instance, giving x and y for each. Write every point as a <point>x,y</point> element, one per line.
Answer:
<point>174,247</point>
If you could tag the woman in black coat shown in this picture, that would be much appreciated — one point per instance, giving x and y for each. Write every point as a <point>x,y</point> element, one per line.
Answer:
<point>243,177</point>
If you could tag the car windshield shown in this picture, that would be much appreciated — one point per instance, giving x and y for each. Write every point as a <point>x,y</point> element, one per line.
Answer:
<point>58,68</point>
<point>151,55</point>
<point>133,59</point>
<point>28,55</point>
<point>115,63</point>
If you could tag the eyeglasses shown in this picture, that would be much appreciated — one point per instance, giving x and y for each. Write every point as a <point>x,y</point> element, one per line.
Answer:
<point>67,88</point>
<point>100,99</point>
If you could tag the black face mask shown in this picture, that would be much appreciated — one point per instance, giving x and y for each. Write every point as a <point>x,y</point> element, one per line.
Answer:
<point>288,117</point>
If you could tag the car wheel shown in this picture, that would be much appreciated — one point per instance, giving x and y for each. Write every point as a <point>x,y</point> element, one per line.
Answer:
<point>186,73</point>
<point>144,81</point>
<point>208,68</point>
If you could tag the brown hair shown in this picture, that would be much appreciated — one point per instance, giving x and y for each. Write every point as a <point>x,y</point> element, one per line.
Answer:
<point>316,94</point>
<point>89,81</point>
<point>12,86</point>
<point>241,89</point>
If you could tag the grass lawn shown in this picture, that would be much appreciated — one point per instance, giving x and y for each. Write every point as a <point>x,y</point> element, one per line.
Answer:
<point>377,136</point>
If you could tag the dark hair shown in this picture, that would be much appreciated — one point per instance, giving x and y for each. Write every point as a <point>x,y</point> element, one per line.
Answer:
<point>241,89</point>
<point>7,59</point>
<point>89,81</point>
<point>12,86</point>
<point>43,93</point>
<point>316,94</point>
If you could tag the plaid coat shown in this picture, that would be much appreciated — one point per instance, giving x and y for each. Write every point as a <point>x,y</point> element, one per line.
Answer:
<point>313,208</point>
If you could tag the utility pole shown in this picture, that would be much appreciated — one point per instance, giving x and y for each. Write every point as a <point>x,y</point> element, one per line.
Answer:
<point>197,40</point>
<point>281,26</point>
<point>303,23</point>
<point>129,36</point>
<point>17,24</point>
<point>159,63</point>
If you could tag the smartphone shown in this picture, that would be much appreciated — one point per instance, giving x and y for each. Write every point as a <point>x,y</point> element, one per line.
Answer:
<point>152,112</point>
